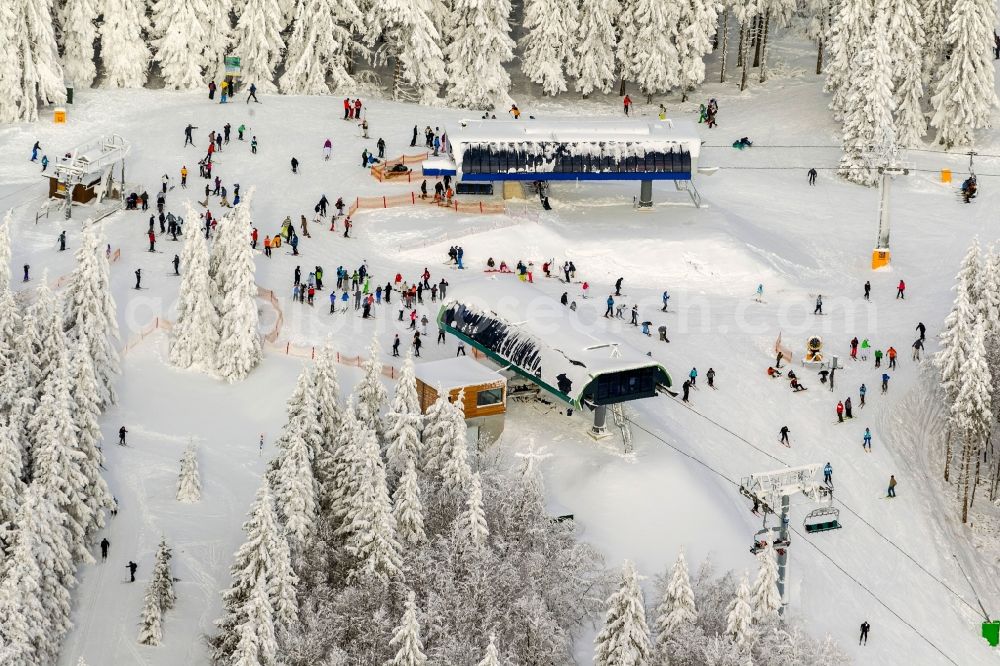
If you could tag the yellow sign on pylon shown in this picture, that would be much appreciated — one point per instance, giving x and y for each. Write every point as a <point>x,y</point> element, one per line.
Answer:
<point>945,175</point>
<point>59,116</point>
<point>880,258</point>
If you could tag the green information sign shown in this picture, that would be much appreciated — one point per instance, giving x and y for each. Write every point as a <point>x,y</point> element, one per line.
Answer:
<point>232,65</point>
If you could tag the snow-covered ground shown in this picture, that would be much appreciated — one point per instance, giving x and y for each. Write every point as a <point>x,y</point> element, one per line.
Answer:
<point>761,223</point>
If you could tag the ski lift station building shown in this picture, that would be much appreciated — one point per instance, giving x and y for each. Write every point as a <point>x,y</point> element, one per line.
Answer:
<point>552,346</point>
<point>599,149</point>
<point>85,173</point>
<point>483,392</point>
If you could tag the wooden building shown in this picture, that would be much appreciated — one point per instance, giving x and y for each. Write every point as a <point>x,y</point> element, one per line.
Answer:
<point>484,400</point>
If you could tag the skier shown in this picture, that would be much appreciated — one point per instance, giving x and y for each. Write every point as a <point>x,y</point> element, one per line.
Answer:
<point>687,387</point>
<point>138,278</point>
<point>253,94</point>
<point>828,474</point>
<point>26,269</point>
<point>635,315</point>
<point>121,436</point>
<point>105,544</point>
<point>611,307</point>
<point>239,131</point>
<point>866,440</point>
<point>226,129</point>
<point>295,165</point>
<point>812,176</point>
<point>918,345</point>
<point>627,102</point>
<point>297,275</point>
<point>327,149</point>
<point>253,145</point>
<point>922,329</point>
<point>710,376</point>
<point>892,357</point>
<point>784,435</point>
<point>819,305</point>
<point>861,392</point>
<point>347,108</point>
<point>62,241</point>
<point>847,408</point>
<point>885,382</point>
<point>416,344</point>
<point>868,290</point>
<point>840,412</point>
<point>878,358</point>
<point>380,144</point>
<point>666,300</point>
<point>45,162</point>
<point>177,264</point>
<point>184,176</point>
<point>618,287</point>
<point>693,376</point>
<point>34,151</point>
<point>461,348</point>
<point>900,288</point>
<point>187,134</point>
<point>854,347</point>
<point>131,566</point>
<point>152,241</point>
<point>760,293</point>
<point>864,632</point>
<point>413,142</point>
<point>892,486</point>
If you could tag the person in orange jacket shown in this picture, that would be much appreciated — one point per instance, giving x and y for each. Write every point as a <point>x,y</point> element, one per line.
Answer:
<point>892,357</point>
<point>267,246</point>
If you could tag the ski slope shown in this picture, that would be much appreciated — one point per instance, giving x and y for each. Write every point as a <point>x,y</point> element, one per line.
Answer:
<point>892,564</point>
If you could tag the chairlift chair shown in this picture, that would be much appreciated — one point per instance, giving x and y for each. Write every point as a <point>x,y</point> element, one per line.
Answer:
<point>822,520</point>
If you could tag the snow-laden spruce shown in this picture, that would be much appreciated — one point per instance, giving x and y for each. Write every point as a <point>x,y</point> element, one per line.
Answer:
<point>370,393</point>
<point>546,49</point>
<point>319,46</point>
<point>965,93</point>
<point>11,485</point>
<point>739,619</point>
<point>492,656</point>
<point>76,20</point>
<point>624,640</point>
<point>444,429</point>
<point>257,644</point>
<point>195,336</point>
<point>697,25</point>
<point>593,63</point>
<point>5,250</point>
<point>341,482</point>
<point>189,480</point>
<point>218,24</point>
<point>90,314</point>
<point>403,423</point>
<point>160,597</point>
<point>478,44</point>
<point>906,42</point>
<point>294,485</point>
<point>407,507</point>
<point>406,638</point>
<point>263,560</point>
<point>257,38</point>
<point>124,53</point>
<point>240,349</point>
<point>456,472</point>
<point>971,413</point>
<point>958,325</point>
<point>414,43</point>
<point>178,35</point>
<point>30,70</point>
<point>647,50</point>
<point>869,128</point>
<point>849,27</point>
<point>474,525</point>
<point>86,416</point>
<point>11,89</point>
<point>677,606</point>
<point>764,595</point>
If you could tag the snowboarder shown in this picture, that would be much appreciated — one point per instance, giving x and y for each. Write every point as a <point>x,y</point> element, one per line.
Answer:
<point>812,176</point>
<point>892,486</point>
<point>131,566</point>
<point>295,165</point>
<point>121,436</point>
<point>253,94</point>
<point>687,387</point>
<point>866,440</point>
<point>62,241</point>
<point>840,412</point>
<point>868,290</point>
<point>900,289</point>
<point>864,632</point>
<point>177,265</point>
<point>138,278</point>
<point>784,435</point>
<point>105,544</point>
<point>710,376</point>
<point>828,474</point>
<point>819,305</point>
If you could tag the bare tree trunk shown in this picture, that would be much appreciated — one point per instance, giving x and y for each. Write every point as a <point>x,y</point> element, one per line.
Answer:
<point>763,56</point>
<point>397,77</point>
<point>745,57</point>
<point>975,484</point>
<point>725,43</point>
<point>621,89</point>
<point>965,482</point>
<point>819,55</point>
<point>947,455</point>
<point>757,30</point>
<point>995,481</point>
<point>739,47</point>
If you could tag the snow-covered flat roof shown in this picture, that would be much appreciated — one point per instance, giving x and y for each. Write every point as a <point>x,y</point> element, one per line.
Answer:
<point>454,373</point>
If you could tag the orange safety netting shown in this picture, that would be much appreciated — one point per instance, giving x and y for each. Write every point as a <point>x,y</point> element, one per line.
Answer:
<point>413,199</point>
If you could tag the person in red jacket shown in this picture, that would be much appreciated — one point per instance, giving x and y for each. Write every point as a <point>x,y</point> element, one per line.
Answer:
<point>357,108</point>
<point>840,412</point>
<point>253,238</point>
<point>152,241</point>
<point>347,108</point>
<point>627,102</point>
<point>900,289</point>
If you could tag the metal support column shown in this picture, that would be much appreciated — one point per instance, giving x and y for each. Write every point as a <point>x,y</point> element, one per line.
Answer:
<point>783,555</point>
<point>645,194</point>
<point>600,428</point>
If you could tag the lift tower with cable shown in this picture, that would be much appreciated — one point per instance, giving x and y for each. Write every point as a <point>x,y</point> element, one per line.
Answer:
<point>772,492</point>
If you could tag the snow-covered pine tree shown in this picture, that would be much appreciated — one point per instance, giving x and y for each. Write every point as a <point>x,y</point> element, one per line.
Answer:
<point>240,348</point>
<point>11,486</point>
<point>444,429</point>
<point>257,644</point>
<point>474,527</point>
<point>972,412</point>
<point>403,423</point>
<point>13,106</point>
<point>851,22</point>
<point>407,507</point>
<point>478,43</point>
<point>162,578</point>
<point>698,23</point>
<point>647,48</point>
<point>151,620</point>
<point>10,324</point>
<point>341,482</point>
<point>906,41</point>
<point>5,250</point>
<point>86,414</point>
<point>195,336</point>
<point>48,339</point>
<point>179,37</point>
<point>965,93</point>
<point>160,597</point>
<point>327,391</point>
<point>369,526</point>
<point>264,556</point>
<point>934,16</point>
<point>747,14</point>
<point>218,24</point>
<point>123,47</point>
<point>492,655</point>
<point>318,47</point>
<point>593,63</point>
<point>294,485</point>
<point>304,412</point>
<point>22,381</point>
<point>869,128</point>
<point>40,73</point>
<point>456,472</point>
<point>677,606</point>
<point>258,39</point>
<point>76,20</point>
<point>189,480</point>
<point>90,314</point>
<point>624,640</point>
<point>413,41</point>
<point>739,619</point>
<point>765,600</point>
<point>370,393</point>
<point>406,637</point>
<point>547,51</point>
